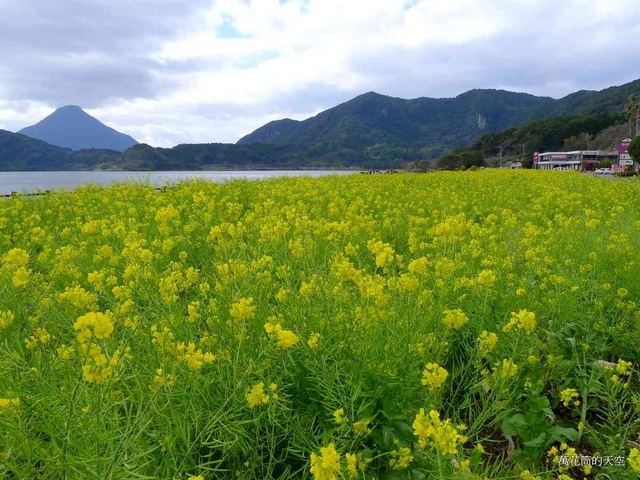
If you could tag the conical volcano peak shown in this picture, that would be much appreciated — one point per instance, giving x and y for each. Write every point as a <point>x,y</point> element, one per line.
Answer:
<point>71,127</point>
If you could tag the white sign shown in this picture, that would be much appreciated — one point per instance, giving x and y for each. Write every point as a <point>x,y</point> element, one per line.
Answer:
<point>625,156</point>
<point>626,162</point>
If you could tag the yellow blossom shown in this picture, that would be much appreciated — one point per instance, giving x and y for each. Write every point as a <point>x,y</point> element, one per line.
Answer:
<point>256,396</point>
<point>243,309</point>
<point>487,342</point>
<point>434,376</point>
<point>362,427</point>
<point>286,338</point>
<point>487,278</point>
<point>431,431</point>
<point>313,341</point>
<point>524,320</point>
<point>507,369</point>
<point>634,460</point>
<point>95,324</point>
<point>454,319</point>
<point>623,367</point>
<point>569,396</point>
<point>6,319</point>
<point>401,458</point>
<point>325,466</point>
<point>352,465</point>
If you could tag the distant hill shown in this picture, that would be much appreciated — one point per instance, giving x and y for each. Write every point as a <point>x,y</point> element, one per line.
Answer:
<point>21,153</point>
<point>71,127</point>
<point>369,131</point>
<point>376,125</point>
<point>372,119</point>
<point>591,102</point>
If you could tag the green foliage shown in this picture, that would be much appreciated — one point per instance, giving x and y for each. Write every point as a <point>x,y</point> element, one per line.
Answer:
<point>535,427</point>
<point>460,159</point>
<point>634,149</point>
<point>545,135</point>
<point>606,163</point>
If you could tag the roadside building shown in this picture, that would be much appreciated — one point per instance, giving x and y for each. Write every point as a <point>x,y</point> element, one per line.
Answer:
<point>583,160</point>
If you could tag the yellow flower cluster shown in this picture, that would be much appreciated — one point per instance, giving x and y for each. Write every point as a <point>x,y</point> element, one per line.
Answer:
<point>256,395</point>
<point>325,466</point>
<point>487,278</point>
<point>623,367</point>
<point>506,369</point>
<point>361,427</point>
<point>6,319</point>
<point>6,403</point>
<point>15,258</point>
<point>400,458</point>
<point>434,376</point>
<point>99,368</point>
<point>487,341</point>
<point>554,455</point>
<point>244,309</point>
<point>286,338</point>
<point>79,298</point>
<point>352,465</point>
<point>384,253</point>
<point>634,460</point>
<point>454,319</point>
<point>418,266</point>
<point>194,357</point>
<point>313,341</point>
<point>15,263</point>
<point>442,436</point>
<point>524,320</point>
<point>92,324</point>
<point>569,396</point>
<point>40,337</point>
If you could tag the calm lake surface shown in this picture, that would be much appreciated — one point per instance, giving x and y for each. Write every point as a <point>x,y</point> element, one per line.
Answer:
<point>27,182</point>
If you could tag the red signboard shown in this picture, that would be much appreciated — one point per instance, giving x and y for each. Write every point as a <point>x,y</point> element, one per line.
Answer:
<point>624,145</point>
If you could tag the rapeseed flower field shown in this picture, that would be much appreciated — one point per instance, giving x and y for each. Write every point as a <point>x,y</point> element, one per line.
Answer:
<point>466,325</point>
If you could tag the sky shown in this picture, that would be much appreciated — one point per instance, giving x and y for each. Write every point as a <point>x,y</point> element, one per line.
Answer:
<point>168,71</point>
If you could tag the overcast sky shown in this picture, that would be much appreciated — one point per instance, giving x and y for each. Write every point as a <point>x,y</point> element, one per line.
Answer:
<point>174,71</point>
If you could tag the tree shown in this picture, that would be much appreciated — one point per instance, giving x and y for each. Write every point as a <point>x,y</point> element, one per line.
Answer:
<point>632,112</point>
<point>634,149</point>
<point>606,163</point>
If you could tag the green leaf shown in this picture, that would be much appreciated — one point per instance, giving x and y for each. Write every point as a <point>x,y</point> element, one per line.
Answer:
<point>389,409</point>
<point>513,425</point>
<point>561,433</point>
<point>418,475</point>
<point>539,403</point>
<point>404,432</point>
<point>539,441</point>
<point>387,438</point>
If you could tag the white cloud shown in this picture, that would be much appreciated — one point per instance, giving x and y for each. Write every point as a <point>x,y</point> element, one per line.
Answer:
<point>191,80</point>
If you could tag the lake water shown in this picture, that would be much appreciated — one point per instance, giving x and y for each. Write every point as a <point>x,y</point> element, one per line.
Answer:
<point>27,182</point>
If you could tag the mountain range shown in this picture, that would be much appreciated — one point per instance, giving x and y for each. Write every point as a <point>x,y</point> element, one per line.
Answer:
<point>433,124</point>
<point>369,131</point>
